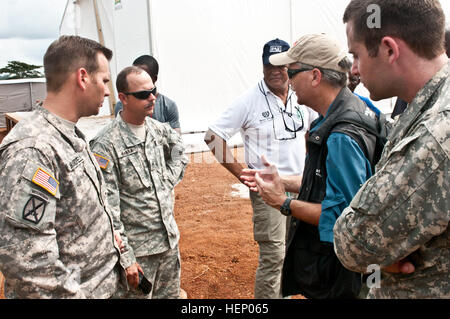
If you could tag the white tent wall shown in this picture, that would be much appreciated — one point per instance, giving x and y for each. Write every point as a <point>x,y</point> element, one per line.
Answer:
<point>131,32</point>
<point>319,16</point>
<point>209,51</point>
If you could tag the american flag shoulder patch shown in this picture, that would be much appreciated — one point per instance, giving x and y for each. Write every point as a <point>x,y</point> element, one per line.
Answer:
<point>46,181</point>
<point>102,161</point>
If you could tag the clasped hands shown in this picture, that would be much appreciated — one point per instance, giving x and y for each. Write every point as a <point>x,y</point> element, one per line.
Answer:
<point>267,182</point>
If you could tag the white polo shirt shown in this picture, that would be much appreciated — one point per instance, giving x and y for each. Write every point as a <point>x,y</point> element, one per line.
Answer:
<point>257,115</point>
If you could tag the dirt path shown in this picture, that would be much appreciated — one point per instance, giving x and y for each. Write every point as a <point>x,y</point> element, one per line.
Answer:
<point>218,253</point>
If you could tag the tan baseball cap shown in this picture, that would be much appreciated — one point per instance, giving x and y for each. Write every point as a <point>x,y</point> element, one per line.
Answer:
<point>318,50</point>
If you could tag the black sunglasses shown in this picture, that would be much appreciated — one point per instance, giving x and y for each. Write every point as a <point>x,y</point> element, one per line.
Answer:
<point>142,95</point>
<point>292,72</point>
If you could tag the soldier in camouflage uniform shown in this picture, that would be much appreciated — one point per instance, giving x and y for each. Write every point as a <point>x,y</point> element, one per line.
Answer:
<point>142,160</point>
<point>56,234</point>
<point>399,219</point>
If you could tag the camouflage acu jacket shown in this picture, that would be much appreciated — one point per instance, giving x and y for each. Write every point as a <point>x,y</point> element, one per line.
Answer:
<point>403,210</point>
<point>140,177</point>
<point>56,236</point>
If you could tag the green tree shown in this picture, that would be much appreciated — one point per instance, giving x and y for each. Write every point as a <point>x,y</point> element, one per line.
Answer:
<point>21,70</point>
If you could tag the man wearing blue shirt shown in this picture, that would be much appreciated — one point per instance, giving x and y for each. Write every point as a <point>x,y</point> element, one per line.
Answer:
<point>336,166</point>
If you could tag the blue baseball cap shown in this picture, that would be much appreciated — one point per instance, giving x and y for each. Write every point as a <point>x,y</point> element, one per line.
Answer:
<point>273,47</point>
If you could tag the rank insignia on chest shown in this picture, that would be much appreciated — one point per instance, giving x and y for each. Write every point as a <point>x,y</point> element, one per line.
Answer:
<point>46,181</point>
<point>102,161</point>
<point>34,209</point>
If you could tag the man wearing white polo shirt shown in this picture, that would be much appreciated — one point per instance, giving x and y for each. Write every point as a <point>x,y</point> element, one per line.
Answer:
<point>271,123</point>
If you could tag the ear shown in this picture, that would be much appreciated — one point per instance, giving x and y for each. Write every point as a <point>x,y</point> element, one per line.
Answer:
<point>121,96</point>
<point>316,77</point>
<point>389,48</point>
<point>82,78</point>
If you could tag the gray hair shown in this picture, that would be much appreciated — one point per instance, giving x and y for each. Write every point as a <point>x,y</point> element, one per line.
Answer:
<point>332,77</point>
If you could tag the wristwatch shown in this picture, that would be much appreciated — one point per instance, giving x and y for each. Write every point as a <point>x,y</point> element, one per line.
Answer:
<point>285,209</point>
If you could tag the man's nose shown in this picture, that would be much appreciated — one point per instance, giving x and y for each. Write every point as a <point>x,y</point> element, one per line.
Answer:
<point>354,69</point>
<point>277,70</point>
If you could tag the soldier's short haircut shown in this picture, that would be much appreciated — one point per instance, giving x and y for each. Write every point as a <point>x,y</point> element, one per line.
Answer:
<point>122,81</point>
<point>420,23</point>
<point>68,54</point>
<point>149,64</point>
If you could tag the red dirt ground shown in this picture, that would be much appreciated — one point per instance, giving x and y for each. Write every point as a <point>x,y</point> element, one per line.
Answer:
<point>218,253</point>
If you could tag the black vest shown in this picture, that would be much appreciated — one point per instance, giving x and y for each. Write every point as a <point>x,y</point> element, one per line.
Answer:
<point>311,268</point>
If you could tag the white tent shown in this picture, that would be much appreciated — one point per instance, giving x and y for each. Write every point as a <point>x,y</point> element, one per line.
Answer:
<point>209,51</point>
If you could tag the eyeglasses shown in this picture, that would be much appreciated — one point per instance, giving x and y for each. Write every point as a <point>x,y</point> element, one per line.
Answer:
<point>294,122</point>
<point>142,95</point>
<point>292,72</point>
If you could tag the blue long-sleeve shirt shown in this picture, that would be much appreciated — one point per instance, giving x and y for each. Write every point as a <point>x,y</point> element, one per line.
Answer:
<point>347,170</point>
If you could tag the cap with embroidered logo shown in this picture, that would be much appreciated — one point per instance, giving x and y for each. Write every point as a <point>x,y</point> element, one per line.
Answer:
<point>273,47</point>
<point>319,50</point>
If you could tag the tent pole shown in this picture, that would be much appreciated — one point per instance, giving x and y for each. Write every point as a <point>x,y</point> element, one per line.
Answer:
<point>149,22</point>
<point>112,98</point>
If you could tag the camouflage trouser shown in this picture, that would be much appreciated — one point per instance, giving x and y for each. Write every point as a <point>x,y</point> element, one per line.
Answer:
<point>163,271</point>
<point>269,230</point>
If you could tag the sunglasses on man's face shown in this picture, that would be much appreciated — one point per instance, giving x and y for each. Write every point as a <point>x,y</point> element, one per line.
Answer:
<point>142,95</point>
<point>292,72</point>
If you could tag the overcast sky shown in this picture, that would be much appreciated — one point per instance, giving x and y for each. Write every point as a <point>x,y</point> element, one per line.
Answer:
<point>27,27</point>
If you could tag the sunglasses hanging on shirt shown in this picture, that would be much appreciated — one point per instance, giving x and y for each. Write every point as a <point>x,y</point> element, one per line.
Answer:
<point>293,122</point>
